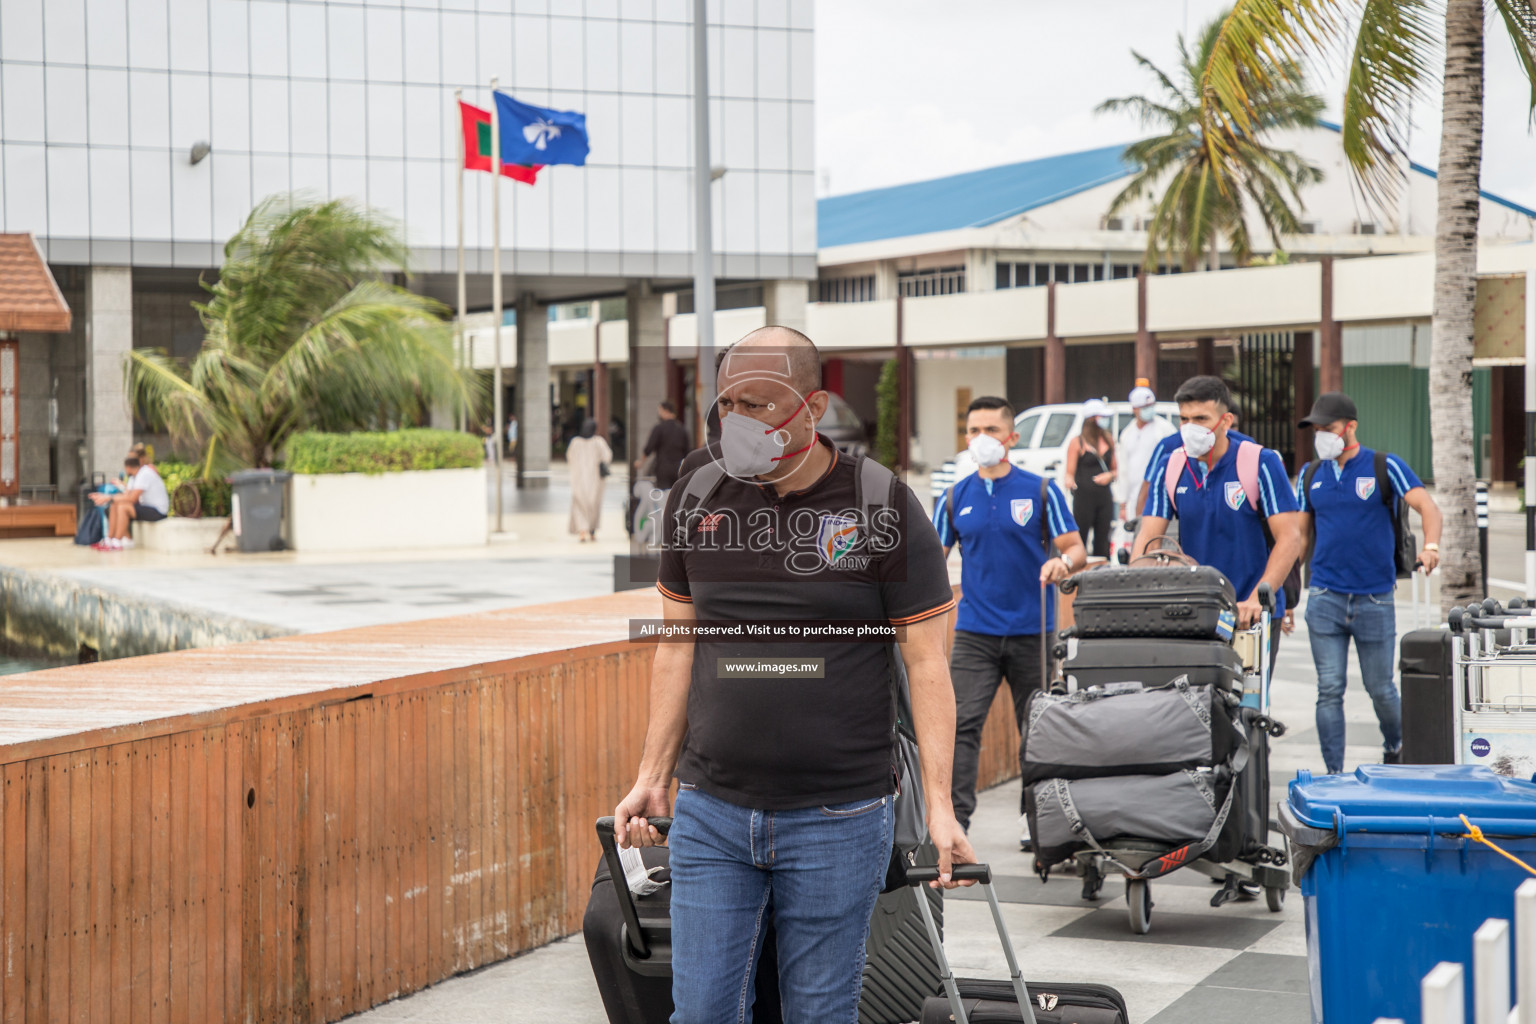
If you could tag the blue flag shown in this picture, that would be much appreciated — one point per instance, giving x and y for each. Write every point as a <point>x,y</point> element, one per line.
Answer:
<point>537,135</point>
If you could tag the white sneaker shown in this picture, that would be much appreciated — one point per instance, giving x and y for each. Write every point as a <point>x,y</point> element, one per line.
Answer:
<point>1026,844</point>
<point>125,543</point>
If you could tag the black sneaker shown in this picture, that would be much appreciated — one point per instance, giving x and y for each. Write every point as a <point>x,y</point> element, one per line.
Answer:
<point>1393,756</point>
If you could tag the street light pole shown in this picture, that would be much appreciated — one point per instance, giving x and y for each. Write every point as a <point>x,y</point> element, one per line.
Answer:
<point>703,248</point>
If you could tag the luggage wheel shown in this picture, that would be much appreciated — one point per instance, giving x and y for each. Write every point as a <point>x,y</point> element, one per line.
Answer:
<point>1093,881</point>
<point>1138,901</point>
<point>1234,889</point>
<point>1274,898</point>
<point>1276,729</point>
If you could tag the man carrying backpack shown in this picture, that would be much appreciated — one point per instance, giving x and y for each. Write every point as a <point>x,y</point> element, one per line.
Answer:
<point>1357,499</point>
<point>1233,502</point>
<point>1013,528</point>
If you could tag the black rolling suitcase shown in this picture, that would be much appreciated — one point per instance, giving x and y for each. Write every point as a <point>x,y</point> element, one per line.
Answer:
<point>1206,662</point>
<point>1193,602</point>
<point>1425,663</point>
<point>635,979</point>
<point>972,1001</point>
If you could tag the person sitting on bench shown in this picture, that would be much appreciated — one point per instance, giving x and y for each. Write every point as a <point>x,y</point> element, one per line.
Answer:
<point>145,499</point>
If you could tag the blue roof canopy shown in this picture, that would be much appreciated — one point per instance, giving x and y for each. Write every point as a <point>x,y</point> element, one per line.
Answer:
<point>970,200</point>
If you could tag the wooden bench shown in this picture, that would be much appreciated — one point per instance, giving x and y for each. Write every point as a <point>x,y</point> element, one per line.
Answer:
<point>37,521</point>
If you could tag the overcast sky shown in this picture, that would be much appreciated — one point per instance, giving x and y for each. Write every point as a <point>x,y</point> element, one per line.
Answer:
<point>909,89</point>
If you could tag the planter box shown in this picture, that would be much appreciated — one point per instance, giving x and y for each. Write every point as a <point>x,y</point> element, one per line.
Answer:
<point>179,535</point>
<point>438,508</point>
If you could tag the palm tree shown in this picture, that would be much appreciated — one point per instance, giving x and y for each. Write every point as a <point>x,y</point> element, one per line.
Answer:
<point>1204,193</point>
<point>1392,59</point>
<point>303,330</point>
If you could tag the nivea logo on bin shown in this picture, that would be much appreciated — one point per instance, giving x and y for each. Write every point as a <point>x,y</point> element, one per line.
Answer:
<point>1481,747</point>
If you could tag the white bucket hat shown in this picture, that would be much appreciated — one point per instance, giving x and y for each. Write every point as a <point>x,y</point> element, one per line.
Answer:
<point>1142,397</point>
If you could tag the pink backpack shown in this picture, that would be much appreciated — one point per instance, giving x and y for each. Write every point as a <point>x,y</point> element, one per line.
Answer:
<point>1248,453</point>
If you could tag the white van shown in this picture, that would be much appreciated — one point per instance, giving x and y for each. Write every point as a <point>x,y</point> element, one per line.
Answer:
<point>1043,435</point>
<point>1045,430</point>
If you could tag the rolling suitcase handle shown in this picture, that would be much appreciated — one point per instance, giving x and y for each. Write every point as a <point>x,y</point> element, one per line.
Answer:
<point>967,873</point>
<point>631,916</point>
<point>1267,608</point>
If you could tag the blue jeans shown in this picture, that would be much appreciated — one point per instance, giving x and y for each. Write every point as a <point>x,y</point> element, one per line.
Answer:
<point>1371,619</point>
<point>818,871</point>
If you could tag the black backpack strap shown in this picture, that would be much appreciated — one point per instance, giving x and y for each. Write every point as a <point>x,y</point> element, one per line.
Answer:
<point>702,485</point>
<point>872,487</point>
<point>1308,475</point>
<point>1383,480</point>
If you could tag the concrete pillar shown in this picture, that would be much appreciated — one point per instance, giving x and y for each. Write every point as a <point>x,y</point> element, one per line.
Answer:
<point>1055,353</point>
<point>647,365</point>
<point>784,302</point>
<point>1330,349</point>
<point>1301,375</point>
<point>34,384</point>
<point>1146,343</point>
<point>533,428</point>
<point>108,340</point>
<point>1205,357</point>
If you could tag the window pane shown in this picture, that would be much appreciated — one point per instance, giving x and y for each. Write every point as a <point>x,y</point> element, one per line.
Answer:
<point>1121,270</point>
<point>1081,272</point>
<point>1027,431</point>
<point>1098,271</point>
<point>1005,275</point>
<point>1056,429</point>
<point>1063,273</point>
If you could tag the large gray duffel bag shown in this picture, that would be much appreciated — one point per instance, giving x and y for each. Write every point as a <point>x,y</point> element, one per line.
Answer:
<point>1129,729</point>
<point>1184,808</point>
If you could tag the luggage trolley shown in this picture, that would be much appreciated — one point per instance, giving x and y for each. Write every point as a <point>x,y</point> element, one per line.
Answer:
<point>1258,865</point>
<point>1493,659</point>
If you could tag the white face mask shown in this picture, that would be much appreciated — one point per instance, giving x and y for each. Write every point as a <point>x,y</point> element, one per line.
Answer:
<point>1146,415</point>
<point>1102,421</point>
<point>986,450</point>
<point>1198,440</point>
<point>1327,444</point>
<point>751,447</point>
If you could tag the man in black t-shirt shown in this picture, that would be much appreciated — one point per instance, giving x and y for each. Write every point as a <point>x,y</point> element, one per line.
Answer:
<point>669,443</point>
<point>783,750</point>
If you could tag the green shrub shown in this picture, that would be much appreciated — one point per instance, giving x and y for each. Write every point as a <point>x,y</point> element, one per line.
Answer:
<point>391,452</point>
<point>214,493</point>
<point>888,415</point>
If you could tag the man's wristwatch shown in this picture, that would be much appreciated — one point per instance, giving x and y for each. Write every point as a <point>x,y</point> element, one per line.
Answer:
<point>1432,547</point>
<point>1066,559</point>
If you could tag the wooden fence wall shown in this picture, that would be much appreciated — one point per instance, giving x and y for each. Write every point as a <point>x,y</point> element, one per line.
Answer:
<point>301,863</point>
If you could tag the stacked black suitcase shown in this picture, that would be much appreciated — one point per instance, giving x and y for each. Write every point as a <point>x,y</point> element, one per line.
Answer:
<point>1151,625</point>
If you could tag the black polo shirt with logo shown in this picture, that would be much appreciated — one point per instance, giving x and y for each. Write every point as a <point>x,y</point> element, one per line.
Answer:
<point>752,556</point>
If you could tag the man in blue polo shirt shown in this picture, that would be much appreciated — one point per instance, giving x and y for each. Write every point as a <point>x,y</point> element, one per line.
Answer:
<point>1016,534</point>
<point>1220,524</point>
<point>1350,493</point>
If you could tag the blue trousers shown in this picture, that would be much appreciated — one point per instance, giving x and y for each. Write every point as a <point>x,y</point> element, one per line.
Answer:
<point>817,871</point>
<point>1371,620</point>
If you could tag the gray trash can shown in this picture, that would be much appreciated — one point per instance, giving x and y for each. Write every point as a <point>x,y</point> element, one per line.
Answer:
<point>256,508</point>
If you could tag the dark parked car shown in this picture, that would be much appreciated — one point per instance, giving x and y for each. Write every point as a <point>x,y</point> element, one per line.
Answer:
<point>843,426</point>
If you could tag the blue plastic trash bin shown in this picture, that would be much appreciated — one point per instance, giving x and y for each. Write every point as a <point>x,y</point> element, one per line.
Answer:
<point>1390,887</point>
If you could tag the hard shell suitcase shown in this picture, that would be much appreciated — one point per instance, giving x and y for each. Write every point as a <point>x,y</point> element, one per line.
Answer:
<point>971,1001</point>
<point>899,969</point>
<point>1115,660</point>
<point>1193,602</point>
<point>1247,826</point>
<point>1428,694</point>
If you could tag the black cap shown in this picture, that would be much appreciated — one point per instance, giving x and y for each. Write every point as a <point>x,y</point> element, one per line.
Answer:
<point>1330,408</point>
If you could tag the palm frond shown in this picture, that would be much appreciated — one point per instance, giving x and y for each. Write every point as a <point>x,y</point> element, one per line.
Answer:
<point>1519,17</point>
<point>1390,64</point>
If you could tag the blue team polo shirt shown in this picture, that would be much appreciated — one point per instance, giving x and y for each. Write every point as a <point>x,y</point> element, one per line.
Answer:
<point>997,523</point>
<point>1217,526</point>
<point>1353,554</point>
<point>1174,440</point>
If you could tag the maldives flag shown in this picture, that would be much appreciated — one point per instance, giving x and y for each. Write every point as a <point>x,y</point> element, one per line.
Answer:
<point>477,146</point>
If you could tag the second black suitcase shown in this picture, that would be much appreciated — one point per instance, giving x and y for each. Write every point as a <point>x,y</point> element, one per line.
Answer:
<point>1206,662</point>
<point>1193,602</point>
<point>1425,663</point>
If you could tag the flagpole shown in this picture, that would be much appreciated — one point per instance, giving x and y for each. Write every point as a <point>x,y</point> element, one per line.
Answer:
<point>461,353</point>
<point>496,295</point>
<point>703,255</point>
